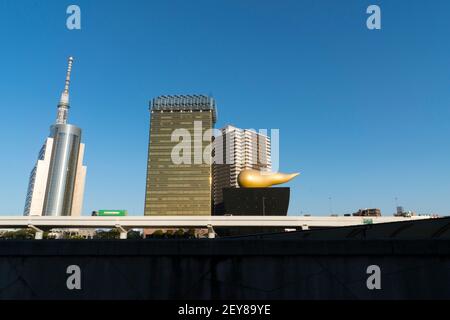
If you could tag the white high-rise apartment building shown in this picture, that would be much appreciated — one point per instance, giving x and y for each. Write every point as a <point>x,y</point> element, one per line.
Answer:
<point>235,150</point>
<point>34,202</point>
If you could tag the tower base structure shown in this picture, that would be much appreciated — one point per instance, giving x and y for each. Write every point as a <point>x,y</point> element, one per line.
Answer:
<point>254,202</point>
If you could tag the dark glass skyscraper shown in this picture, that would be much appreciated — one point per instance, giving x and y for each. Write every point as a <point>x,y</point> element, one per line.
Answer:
<point>175,188</point>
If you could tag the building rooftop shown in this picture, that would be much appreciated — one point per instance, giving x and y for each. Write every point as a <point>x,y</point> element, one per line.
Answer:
<point>184,103</point>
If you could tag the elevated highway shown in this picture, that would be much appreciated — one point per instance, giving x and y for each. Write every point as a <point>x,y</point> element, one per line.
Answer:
<point>130,222</point>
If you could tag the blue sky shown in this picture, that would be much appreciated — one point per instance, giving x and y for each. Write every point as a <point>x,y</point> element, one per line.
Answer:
<point>363,115</point>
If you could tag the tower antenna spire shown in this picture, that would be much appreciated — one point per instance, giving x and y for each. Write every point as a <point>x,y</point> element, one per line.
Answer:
<point>63,105</point>
<point>69,70</point>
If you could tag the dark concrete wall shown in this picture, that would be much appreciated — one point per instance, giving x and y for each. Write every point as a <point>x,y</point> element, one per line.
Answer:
<point>225,269</point>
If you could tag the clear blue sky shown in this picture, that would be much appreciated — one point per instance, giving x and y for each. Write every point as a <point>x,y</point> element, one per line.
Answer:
<point>363,115</point>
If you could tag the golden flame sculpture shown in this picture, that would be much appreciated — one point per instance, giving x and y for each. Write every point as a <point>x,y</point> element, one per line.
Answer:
<point>249,178</point>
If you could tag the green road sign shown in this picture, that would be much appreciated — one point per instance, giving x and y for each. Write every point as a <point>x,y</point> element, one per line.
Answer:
<point>112,213</point>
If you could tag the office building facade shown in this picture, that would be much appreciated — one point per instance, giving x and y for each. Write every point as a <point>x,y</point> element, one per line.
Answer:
<point>56,184</point>
<point>174,187</point>
<point>237,149</point>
